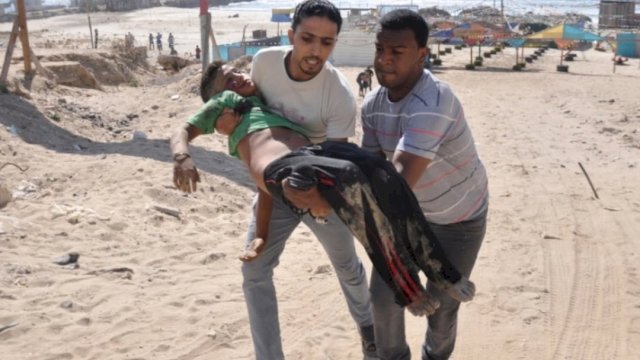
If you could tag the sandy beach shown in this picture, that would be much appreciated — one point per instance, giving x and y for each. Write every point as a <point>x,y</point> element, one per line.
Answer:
<point>158,275</point>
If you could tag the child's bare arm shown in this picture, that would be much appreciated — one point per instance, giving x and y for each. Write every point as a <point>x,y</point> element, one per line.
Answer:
<point>263,216</point>
<point>185,174</point>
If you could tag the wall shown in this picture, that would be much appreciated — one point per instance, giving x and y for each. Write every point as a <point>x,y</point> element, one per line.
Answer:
<point>354,48</point>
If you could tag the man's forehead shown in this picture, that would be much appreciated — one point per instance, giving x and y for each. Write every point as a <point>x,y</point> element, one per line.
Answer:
<point>396,38</point>
<point>319,26</point>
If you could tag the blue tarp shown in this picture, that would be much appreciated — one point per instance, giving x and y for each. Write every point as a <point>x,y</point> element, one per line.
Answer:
<point>628,45</point>
<point>281,18</point>
<point>248,49</point>
<point>516,42</point>
<point>442,35</point>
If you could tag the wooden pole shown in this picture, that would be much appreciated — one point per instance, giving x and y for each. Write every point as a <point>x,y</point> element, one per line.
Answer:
<point>24,36</point>
<point>205,28</point>
<point>90,31</point>
<point>7,57</point>
<point>214,46</point>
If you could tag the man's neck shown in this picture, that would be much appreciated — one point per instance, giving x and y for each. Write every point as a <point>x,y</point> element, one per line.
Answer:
<point>403,90</point>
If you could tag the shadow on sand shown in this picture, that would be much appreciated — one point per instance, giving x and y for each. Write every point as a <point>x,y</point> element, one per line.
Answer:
<point>29,124</point>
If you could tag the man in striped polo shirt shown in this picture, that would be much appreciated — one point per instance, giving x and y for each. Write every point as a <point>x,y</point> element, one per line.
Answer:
<point>417,123</point>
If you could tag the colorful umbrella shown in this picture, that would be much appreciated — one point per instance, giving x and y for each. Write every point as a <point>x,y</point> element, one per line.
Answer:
<point>563,34</point>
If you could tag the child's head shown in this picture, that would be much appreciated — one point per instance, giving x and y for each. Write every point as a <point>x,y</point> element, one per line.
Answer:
<point>220,76</point>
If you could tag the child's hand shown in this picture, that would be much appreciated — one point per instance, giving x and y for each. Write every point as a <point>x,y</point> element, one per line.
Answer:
<point>254,249</point>
<point>185,175</point>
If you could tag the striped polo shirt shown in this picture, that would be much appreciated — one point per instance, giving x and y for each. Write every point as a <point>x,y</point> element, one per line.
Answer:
<point>430,122</point>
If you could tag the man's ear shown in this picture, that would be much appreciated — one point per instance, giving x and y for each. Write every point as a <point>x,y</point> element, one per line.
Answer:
<point>290,34</point>
<point>422,53</point>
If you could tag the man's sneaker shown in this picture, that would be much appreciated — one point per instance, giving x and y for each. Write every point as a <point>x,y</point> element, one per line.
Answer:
<point>368,343</point>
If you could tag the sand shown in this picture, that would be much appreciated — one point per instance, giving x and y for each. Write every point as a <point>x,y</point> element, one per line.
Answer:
<point>557,276</point>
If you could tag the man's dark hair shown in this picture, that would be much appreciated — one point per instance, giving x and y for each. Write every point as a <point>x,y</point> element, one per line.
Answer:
<point>322,8</point>
<point>401,19</point>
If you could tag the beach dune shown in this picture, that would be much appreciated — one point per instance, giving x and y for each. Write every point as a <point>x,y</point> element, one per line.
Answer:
<point>157,275</point>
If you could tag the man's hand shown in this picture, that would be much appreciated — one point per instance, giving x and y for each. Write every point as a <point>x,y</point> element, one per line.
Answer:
<point>185,175</point>
<point>254,249</point>
<point>423,305</point>
<point>307,199</point>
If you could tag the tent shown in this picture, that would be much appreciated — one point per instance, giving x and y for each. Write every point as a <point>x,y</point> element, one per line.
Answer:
<point>563,34</point>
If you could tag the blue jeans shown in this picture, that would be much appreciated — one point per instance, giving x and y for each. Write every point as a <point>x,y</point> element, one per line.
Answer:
<point>259,290</point>
<point>461,243</point>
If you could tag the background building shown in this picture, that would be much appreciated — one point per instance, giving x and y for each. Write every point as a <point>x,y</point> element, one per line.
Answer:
<point>618,14</point>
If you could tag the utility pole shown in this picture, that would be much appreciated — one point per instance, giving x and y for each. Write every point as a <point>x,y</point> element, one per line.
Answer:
<point>502,9</point>
<point>205,25</point>
<point>24,36</point>
<point>20,30</point>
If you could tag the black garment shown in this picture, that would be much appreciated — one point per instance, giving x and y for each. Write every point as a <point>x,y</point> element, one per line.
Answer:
<point>377,205</point>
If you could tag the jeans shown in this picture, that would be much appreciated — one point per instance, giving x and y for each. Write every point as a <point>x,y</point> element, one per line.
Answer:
<point>259,290</point>
<point>461,243</point>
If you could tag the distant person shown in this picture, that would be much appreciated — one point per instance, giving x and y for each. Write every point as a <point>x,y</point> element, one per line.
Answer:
<point>151,44</point>
<point>159,42</point>
<point>364,82</point>
<point>370,72</point>
<point>171,41</point>
<point>95,39</point>
<point>129,40</point>
<point>619,60</point>
<point>198,52</point>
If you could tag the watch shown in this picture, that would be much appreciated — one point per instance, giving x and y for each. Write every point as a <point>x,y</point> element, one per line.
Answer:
<point>180,157</point>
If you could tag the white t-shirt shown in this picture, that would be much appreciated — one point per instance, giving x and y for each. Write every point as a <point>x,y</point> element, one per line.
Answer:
<point>324,106</point>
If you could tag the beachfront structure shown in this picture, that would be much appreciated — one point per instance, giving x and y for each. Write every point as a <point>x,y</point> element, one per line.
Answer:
<point>618,14</point>
<point>236,50</point>
<point>33,4</point>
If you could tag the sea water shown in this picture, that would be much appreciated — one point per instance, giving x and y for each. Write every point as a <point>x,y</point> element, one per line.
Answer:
<point>513,7</point>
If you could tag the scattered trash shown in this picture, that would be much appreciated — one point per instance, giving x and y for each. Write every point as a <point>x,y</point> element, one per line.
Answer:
<point>66,259</point>
<point>67,304</point>
<point>58,210</point>
<point>175,97</point>
<point>77,147</point>
<point>13,129</point>
<point>139,135</point>
<point>7,327</point>
<point>322,269</point>
<point>125,273</point>
<point>167,210</point>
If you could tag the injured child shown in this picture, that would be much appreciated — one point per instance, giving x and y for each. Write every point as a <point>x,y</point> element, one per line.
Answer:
<point>364,190</point>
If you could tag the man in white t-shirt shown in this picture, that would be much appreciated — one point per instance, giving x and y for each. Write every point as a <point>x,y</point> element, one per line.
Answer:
<point>298,83</point>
